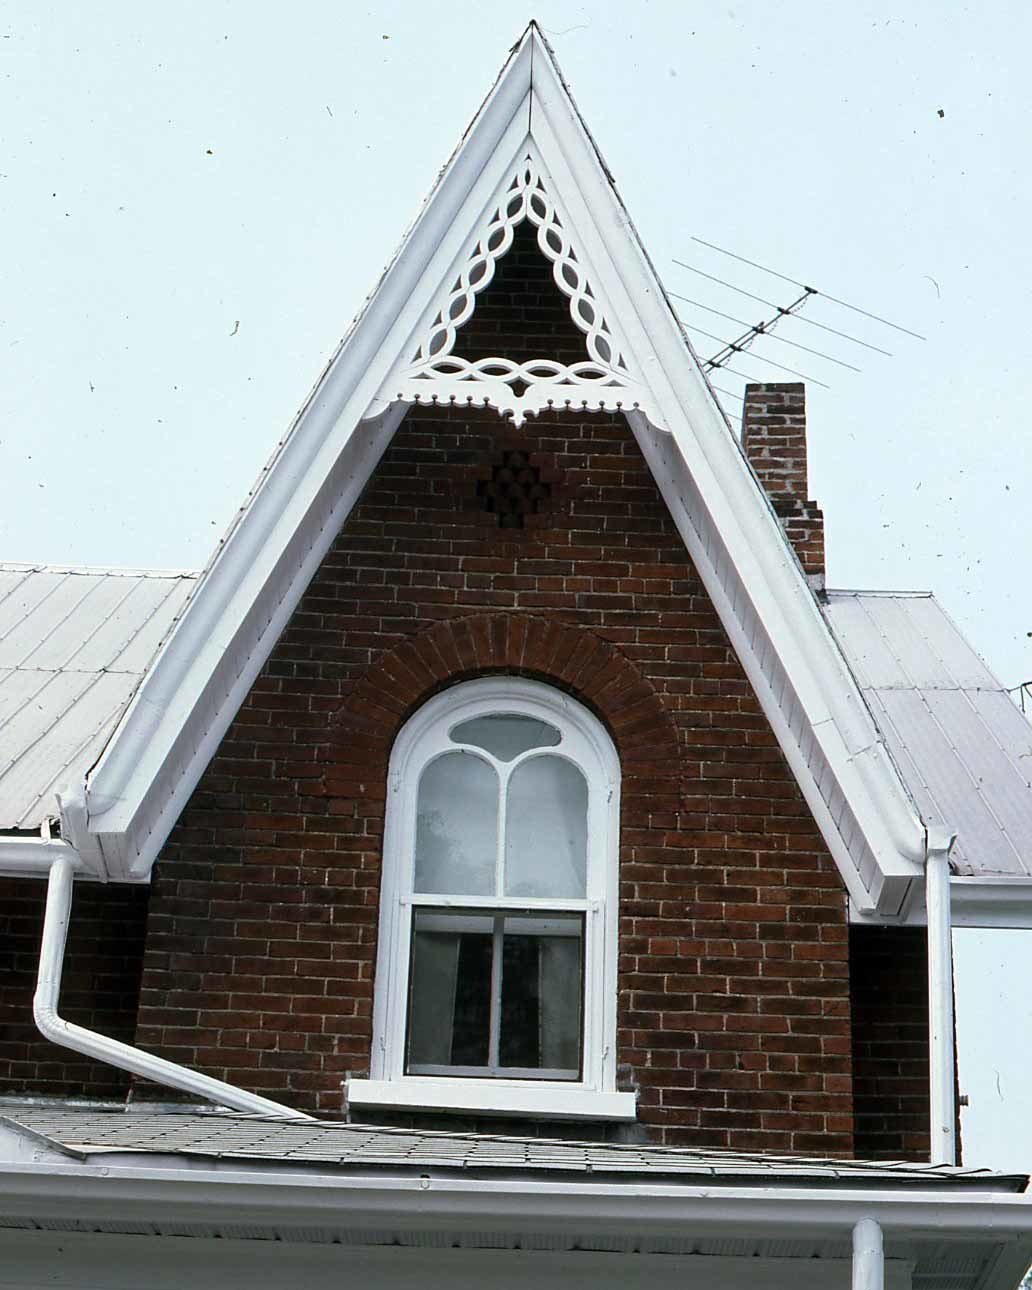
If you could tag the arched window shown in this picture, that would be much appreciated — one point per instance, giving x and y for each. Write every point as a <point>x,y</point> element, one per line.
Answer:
<point>496,972</point>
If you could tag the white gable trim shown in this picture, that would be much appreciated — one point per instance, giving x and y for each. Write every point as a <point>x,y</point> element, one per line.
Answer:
<point>435,374</point>
<point>246,596</point>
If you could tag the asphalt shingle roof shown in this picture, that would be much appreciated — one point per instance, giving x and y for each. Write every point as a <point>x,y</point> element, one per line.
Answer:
<point>243,1137</point>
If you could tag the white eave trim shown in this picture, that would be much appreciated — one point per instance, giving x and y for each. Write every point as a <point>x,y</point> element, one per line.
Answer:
<point>177,1191</point>
<point>990,902</point>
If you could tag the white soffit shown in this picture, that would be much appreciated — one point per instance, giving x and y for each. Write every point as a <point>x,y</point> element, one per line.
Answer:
<point>74,644</point>
<point>961,744</point>
<point>249,590</point>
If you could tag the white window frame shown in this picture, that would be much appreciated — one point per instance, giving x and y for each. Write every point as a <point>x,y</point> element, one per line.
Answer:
<point>585,742</point>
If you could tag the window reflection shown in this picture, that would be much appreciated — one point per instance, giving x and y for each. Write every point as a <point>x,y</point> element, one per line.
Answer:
<point>457,827</point>
<point>546,831</point>
<point>506,736</point>
<point>496,994</point>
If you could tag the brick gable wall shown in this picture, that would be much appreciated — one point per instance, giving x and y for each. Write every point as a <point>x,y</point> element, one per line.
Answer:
<point>546,552</point>
<point>563,564</point>
<point>734,1017</point>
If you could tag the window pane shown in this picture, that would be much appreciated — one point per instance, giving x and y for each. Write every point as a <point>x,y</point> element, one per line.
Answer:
<point>546,834</point>
<point>542,986</point>
<point>450,994</point>
<point>457,827</point>
<point>505,737</point>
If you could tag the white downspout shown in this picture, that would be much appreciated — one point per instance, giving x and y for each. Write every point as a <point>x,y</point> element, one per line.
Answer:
<point>943,1119</point>
<point>99,1047</point>
<point>868,1256</point>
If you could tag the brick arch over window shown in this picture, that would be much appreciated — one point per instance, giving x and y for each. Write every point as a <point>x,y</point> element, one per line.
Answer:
<point>571,658</point>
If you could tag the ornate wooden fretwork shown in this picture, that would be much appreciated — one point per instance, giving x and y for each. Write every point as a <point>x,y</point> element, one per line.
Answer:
<point>437,375</point>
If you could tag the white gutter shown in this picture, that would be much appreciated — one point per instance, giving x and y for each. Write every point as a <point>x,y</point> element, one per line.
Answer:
<point>101,1048</point>
<point>942,1071</point>
<point>179,1192</point>
<point>976,900</point>
<point>991,901</point>
<point>33,857</point>
<point>868,1256</point>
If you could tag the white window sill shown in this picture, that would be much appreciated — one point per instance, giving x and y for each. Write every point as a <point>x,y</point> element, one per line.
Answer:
<point>491,1097</point>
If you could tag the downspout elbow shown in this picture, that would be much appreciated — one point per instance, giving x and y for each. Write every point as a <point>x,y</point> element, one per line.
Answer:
<point>48,1023</point>
<point>52,950</point>
<point>112,1051</point>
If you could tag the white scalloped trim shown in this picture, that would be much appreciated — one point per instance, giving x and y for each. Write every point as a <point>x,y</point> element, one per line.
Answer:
<point>601,381</point>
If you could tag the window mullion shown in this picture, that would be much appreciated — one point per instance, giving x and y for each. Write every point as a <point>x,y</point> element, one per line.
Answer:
<point>496,994</point>
<point>503,800</point>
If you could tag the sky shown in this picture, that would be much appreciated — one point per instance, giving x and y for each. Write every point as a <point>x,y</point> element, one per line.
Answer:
<point>196,198</point>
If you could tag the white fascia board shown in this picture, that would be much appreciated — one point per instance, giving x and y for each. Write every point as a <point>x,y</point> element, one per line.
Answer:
<point>974,902</point>
<point>245,597</point>
<point>176,1191</point>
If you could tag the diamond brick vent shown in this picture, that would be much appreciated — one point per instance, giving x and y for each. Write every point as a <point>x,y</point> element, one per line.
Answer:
<point>514,491</point>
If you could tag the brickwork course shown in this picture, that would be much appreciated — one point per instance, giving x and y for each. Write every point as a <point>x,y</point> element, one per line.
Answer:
<point>545,552</point>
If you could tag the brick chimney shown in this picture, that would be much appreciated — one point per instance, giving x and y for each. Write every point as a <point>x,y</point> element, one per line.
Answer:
<point>774,439</point>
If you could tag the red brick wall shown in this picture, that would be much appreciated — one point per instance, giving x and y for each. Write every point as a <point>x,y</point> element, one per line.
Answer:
<point>100,986</point>
<point>889,971</point>
<point>734,1012</point>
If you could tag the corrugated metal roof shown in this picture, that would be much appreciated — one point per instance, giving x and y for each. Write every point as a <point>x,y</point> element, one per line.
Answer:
<point>244,1137</point>
<point>962,746</point>
<point>74,644</point>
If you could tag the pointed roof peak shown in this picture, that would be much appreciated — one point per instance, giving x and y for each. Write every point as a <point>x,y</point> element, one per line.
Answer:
<point>527,156</point>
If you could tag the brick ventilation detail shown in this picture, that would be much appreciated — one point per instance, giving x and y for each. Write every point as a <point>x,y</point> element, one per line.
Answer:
<point>515,489</point>
<point>774,440</point>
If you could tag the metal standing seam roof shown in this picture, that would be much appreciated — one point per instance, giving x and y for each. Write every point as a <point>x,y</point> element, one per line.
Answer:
<point>74,645</point>
<point>242,1137</point>
<point>960,743</point>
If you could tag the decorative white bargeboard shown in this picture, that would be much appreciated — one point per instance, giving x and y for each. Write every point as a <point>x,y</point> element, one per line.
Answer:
<point>438,375</point>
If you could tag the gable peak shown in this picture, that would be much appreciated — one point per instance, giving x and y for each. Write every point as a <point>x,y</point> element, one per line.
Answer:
<point>435,373</point>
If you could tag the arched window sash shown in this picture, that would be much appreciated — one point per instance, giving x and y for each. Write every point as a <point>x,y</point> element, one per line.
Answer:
<point>496,971</point>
